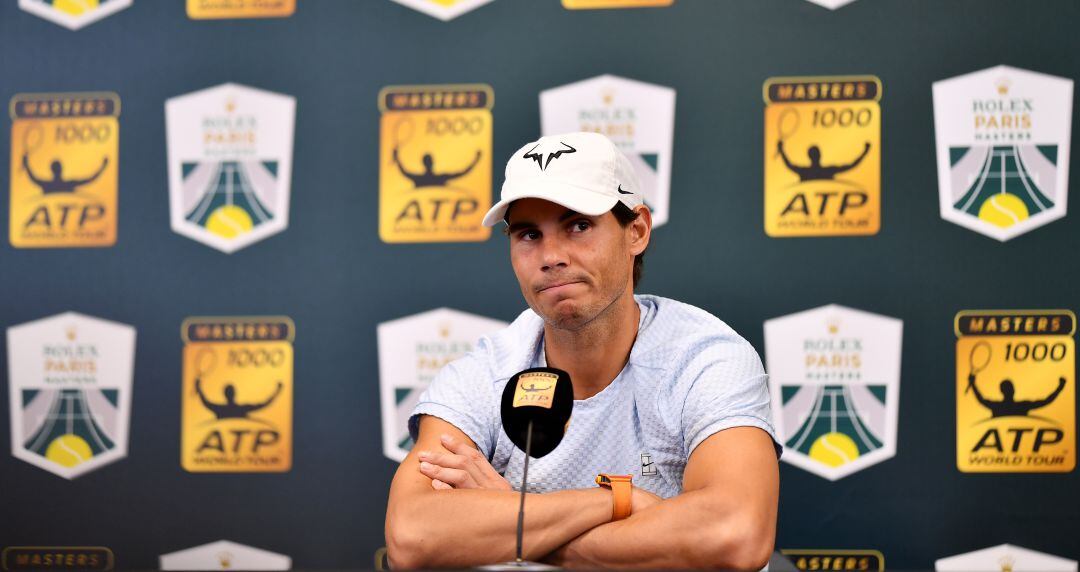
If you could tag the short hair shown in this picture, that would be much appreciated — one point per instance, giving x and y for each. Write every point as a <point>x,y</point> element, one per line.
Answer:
<point>625,216</point>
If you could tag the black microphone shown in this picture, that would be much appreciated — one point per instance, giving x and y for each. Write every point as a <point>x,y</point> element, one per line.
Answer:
<point>536,407</point>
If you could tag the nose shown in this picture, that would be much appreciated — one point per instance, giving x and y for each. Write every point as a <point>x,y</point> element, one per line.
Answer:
<point>554,254</point>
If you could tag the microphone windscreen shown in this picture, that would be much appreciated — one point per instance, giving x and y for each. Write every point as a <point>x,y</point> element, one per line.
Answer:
<point>543,395</point>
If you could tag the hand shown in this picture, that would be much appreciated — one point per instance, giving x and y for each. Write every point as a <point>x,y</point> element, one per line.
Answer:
<point>460,467</point>
<point>641,499</point>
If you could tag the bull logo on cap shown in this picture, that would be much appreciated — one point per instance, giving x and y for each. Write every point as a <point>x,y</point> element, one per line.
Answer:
<point>539,157</point>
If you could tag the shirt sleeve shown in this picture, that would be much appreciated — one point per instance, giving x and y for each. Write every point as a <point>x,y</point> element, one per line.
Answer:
<point>462,395</point>
<point>731,390</point>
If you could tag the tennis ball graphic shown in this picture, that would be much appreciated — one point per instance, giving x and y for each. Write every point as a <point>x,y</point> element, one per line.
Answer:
<point>834,449</point>
<point>1003,210</point>
<point>229,221</point>
<point>68,450</point>
<point>75,7</point>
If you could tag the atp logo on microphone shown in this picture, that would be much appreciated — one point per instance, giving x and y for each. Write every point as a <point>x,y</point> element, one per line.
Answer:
<point>535,389</point>
<point>1015,391</point>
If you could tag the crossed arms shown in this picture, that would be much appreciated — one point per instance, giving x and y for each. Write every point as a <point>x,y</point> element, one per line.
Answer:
<point>454,510</point>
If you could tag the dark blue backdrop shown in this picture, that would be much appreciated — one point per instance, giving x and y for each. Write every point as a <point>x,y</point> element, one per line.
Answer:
<point>330,272</point>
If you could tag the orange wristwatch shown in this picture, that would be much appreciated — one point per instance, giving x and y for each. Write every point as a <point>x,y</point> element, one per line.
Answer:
<point>621,491</point>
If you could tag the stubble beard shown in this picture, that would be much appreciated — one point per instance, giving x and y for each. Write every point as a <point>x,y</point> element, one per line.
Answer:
<point>582,316</point>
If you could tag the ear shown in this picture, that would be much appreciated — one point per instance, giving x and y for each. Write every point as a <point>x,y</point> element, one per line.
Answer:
<point>640,230</point>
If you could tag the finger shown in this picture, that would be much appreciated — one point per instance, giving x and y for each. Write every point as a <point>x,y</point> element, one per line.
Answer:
<point>470,453</point>
<point>456,446</point>
<point>455,477</point>
<point>444,459</point>
<point>472,461</point>
<point>440,486</point>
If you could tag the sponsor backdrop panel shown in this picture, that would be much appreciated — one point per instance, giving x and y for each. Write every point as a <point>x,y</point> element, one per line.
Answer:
<point>258,184</point>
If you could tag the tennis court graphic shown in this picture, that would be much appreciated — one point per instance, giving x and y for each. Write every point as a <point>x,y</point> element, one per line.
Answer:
<point>837,424</point>
<point>1003,140</point>
<point>69,392</point>
<point>230,198</point>
<point>69,426</point>
<point>1004,184</point>
<point>230,164</point>
<point>834,379</point>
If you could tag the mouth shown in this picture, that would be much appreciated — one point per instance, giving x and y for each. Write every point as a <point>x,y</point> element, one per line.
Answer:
<point>558,286</point>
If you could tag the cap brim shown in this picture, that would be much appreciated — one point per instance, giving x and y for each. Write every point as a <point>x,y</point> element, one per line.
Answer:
<point>575,198</point>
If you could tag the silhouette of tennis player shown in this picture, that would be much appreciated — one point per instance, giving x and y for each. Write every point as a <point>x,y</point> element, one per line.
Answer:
<point>231,409</point>
<point>58,184</point>
<point>1009,406</point>
<point>429,178</point>
<point>816,171</point>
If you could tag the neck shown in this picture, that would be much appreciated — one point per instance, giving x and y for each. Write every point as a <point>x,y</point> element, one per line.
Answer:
<point>595,354</point>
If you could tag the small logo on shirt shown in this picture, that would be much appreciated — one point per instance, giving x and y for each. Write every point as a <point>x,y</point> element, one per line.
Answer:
<point>648,467</point>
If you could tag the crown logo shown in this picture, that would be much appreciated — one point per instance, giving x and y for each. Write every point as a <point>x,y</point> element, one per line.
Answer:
<point>607,95</point>
<point>444,330</point>
<point>1003,86</point>
<point>70,332</point>
<point>225,559</point>
<point>1006,563</point>
<point>230,105</point>
<point>833,323</point>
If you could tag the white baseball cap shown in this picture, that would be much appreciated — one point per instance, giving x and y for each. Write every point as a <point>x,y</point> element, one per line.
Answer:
<point>584,172</point>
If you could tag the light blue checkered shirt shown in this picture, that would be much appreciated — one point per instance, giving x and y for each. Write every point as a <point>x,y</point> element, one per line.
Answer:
<point>689,376</point>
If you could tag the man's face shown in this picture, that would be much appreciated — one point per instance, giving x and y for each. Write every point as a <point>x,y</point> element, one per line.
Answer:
<point>571,267</point>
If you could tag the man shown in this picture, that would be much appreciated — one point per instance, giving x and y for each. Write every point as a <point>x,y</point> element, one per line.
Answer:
<point>58,184</point>
<point>815,171</point>
<point>1008,405</point>
<point>663,392</point>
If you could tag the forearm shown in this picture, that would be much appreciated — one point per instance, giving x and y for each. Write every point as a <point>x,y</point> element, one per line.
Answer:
<point>461,528</point>
<point>692,530</point>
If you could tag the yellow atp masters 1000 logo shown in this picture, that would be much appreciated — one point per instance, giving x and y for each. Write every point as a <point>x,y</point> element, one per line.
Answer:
<point>1015,391</point>
<point>64,150</point>
<point>238,380</point>
<point>435,170</point>
<point>822,156</point>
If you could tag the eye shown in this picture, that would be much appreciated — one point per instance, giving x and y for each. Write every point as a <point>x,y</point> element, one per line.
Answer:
<point>580,225</point>
<point>530,234</point>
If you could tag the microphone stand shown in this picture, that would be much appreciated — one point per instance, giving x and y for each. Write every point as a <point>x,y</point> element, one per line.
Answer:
<point>520,563</point>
